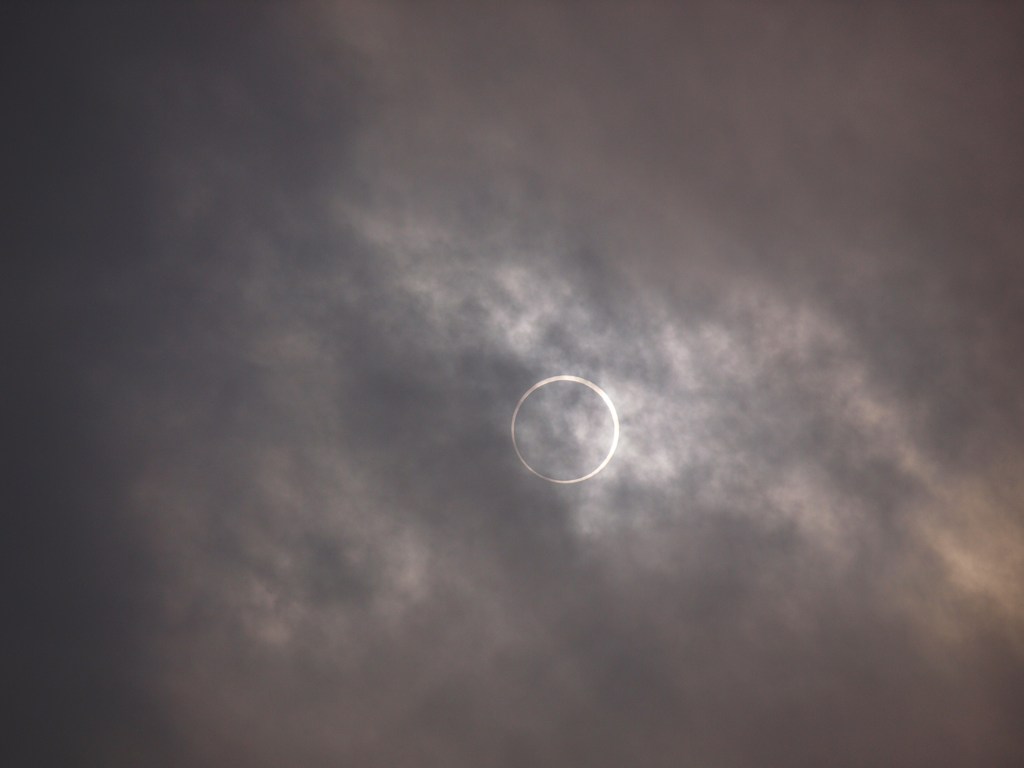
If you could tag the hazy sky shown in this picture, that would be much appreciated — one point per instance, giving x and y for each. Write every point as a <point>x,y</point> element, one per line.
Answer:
<point>277,274</point>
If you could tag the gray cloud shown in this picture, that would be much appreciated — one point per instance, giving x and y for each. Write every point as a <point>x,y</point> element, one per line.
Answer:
<point>286,273</point>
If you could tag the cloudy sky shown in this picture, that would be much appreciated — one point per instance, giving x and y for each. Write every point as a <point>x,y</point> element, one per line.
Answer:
<point>278,273</point>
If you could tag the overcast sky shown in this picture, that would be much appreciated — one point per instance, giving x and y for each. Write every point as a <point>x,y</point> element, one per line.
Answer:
<point>277,274</point>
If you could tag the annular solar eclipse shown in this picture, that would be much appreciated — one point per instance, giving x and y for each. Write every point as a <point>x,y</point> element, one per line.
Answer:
<point>611,409</point>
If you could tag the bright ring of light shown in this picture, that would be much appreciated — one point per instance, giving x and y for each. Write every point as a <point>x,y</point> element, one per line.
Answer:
<point>611,409</point>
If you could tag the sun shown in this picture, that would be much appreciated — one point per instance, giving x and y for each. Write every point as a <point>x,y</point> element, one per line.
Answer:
<point>611,409</point>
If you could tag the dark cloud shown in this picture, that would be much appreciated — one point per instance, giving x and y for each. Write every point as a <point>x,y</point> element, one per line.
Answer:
<point>280,275</point>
